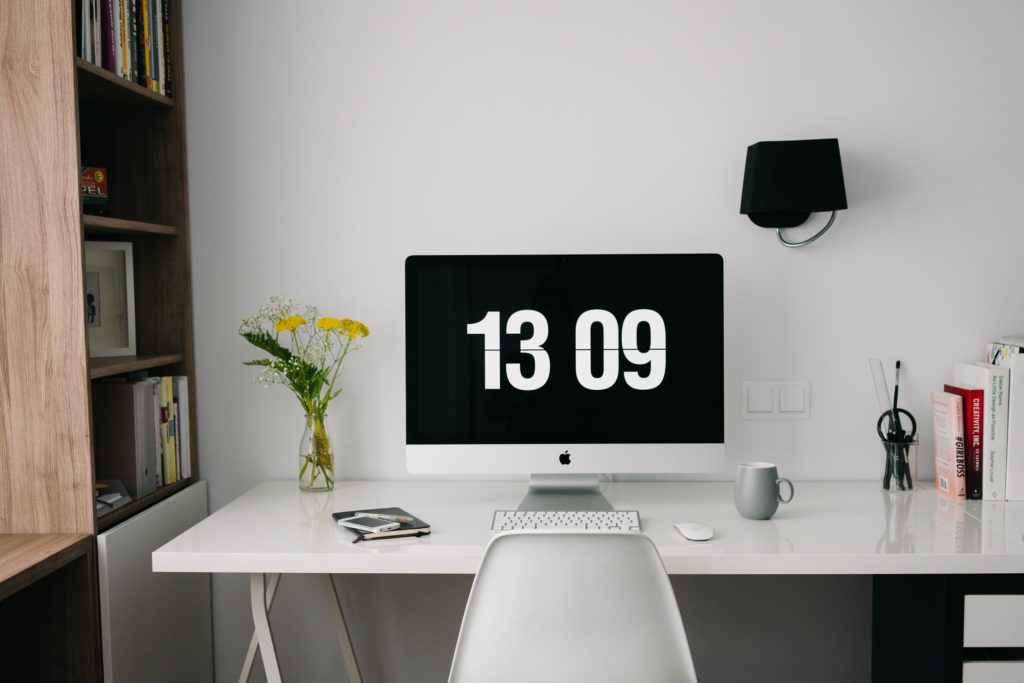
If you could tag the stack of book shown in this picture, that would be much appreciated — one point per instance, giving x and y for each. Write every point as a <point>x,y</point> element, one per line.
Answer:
<point>131,38</point>
<point>978,426</point>
<point>143,438</point>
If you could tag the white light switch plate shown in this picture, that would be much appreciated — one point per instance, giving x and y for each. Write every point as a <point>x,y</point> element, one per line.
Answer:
<point>776,400</point>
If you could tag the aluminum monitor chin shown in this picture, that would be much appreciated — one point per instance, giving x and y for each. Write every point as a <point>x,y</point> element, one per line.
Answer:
<point>564,364</point>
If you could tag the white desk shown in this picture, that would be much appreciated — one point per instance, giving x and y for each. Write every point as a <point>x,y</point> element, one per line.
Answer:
<point>829,528</point>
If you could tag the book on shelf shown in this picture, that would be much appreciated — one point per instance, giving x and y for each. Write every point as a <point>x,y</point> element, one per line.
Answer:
<point>142,432</point>
<point>165,61</point>
<point>973,408</point>
<point>182,420</point>
<point>107,34</point>
<point>994,380</point>
<point>1007,352</point>
<point>167,427</point>
<point>948,442</point>
<point>123,443</point>
<point>156,391</point>
<point>129,38</point>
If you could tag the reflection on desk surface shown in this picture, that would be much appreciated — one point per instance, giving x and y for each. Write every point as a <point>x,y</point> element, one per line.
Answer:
<point>829,528</point>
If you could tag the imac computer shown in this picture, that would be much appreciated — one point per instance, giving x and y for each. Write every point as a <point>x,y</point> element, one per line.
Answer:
<point>564,367</point>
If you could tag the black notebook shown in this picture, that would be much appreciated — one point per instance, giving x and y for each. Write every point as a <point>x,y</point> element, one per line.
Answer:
<point>417,527</point>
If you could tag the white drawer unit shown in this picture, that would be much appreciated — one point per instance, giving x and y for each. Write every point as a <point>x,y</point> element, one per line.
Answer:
<point>156,627</point>
<point>993,672</point>
<point>994,621</point>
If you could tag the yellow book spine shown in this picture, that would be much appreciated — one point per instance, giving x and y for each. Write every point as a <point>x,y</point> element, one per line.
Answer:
<point>145,41</point>
<point>167,402</point>
<point>124,41</point>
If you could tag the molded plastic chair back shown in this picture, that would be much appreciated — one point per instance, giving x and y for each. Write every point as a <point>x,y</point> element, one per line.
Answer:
<point>572,606</point>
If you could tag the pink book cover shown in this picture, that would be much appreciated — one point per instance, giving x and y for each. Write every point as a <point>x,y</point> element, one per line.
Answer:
<point>950,449</point>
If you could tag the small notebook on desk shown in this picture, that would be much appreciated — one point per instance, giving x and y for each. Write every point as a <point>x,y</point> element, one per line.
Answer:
<point>417,527</point>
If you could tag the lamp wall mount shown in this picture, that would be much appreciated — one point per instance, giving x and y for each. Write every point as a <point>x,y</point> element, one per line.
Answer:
<point>786,181</point>
<point>794,245</point>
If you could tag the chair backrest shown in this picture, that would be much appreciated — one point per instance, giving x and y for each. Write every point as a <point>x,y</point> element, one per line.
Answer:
<point>572,606</point>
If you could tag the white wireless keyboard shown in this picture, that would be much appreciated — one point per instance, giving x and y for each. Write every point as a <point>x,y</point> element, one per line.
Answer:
<point>604,520</point>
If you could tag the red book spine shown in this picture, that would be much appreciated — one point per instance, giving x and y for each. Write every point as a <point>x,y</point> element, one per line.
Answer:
<point>974,433</point>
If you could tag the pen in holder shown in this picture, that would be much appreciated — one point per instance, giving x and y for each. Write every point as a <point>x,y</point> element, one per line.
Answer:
<point>899,470</point>
<point>896,429</point>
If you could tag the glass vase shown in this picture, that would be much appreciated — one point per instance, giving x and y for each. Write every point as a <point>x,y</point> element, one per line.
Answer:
<point>316,456</point>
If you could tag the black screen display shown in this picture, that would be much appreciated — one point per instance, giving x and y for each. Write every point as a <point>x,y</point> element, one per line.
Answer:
<point>564,349</point>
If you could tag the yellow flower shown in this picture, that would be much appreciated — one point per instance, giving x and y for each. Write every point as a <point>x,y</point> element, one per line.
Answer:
<point>290,323</point>
<point>328,323</point>
<point>354,329</point>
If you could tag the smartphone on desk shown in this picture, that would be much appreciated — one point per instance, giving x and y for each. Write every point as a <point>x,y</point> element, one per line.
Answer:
<point>369,524</point>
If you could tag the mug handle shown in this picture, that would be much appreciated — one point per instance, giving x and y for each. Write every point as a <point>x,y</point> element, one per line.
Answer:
<point>791,489</point>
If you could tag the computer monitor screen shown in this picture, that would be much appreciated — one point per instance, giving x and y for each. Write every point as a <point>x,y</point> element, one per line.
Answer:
<point>584,363</point>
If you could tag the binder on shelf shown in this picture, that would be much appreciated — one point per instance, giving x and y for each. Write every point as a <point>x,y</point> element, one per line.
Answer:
<point>123,434</point>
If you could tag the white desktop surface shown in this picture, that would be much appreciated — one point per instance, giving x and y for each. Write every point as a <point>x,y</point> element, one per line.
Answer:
<point>829,528</point>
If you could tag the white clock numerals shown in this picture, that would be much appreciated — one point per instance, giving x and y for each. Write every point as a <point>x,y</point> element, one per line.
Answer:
<point>655,357</point>
<point>531,346</point>
<point>609,350</point>
<point>490,327</point>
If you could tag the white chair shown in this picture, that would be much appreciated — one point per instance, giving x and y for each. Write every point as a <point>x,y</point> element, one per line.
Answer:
<point>571,606</point>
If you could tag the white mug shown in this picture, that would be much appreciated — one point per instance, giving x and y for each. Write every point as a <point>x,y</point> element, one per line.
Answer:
<point>757,492</point>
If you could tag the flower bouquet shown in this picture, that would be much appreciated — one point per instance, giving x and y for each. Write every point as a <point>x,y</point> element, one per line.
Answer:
<point>306,352</point>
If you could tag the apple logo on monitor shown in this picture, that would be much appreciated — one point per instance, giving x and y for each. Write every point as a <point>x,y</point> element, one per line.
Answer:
<point>564,458</point>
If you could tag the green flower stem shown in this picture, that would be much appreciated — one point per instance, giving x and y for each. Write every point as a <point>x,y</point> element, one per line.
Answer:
<point>319,463</point>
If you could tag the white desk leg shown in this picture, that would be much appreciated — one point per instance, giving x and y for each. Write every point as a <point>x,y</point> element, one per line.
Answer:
<point>348,654</point>
<point>260,614</point>
<point>254,643</point>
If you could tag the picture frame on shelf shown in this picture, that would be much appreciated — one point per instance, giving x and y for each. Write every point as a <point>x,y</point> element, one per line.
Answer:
<point>110,299</point>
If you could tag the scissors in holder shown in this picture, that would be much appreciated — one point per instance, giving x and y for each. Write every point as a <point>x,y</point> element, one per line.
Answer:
<point>897,447</point>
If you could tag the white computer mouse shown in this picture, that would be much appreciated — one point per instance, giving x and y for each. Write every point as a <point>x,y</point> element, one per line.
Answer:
<point>695,532</point>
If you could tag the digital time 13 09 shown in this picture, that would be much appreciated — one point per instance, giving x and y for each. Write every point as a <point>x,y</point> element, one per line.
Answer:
<point>617,342</point>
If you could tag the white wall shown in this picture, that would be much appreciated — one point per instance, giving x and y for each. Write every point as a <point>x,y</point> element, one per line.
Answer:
<point>328,140</point>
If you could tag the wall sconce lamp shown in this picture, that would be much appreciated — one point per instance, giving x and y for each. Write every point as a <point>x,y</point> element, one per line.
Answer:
<point>784,182</point>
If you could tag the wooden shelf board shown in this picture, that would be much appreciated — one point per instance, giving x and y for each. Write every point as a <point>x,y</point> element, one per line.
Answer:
<point>106,224</point>
<point>97,85</point>
<point>24,558</point>
<point>136,506</point>
<point>105,367</point>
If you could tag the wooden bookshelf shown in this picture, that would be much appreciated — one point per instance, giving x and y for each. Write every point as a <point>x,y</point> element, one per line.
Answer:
<point>139,137</point>
<point>59,113</point>
<point>119,365</point>
<point>96,84</point>
<point>122,513</point>
<point>25,558</point>
<point>105,226</point>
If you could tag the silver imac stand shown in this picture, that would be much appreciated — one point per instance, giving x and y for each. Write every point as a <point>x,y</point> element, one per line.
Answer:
<point>565,492</point>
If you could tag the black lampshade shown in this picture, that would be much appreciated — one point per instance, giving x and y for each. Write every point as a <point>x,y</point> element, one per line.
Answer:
<point>786,181</point>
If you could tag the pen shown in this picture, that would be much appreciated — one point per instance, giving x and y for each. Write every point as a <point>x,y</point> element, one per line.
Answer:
<point>896,395</point>
<point>388,518</point>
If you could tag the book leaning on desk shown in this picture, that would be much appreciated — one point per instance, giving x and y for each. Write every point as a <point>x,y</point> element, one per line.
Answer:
<point>950,450</point>
<point>994,381</point>
<point>1008,353</point>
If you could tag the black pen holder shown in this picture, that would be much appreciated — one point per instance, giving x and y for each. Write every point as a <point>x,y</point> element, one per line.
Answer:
<point>899,466</point>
